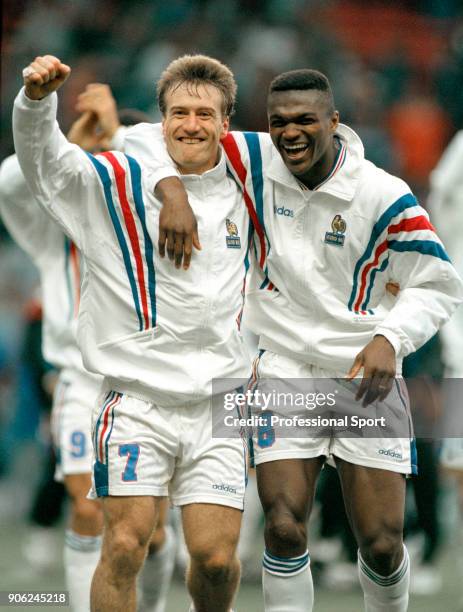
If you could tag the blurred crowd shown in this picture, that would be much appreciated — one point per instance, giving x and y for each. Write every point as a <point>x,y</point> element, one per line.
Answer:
<point>396,69</point>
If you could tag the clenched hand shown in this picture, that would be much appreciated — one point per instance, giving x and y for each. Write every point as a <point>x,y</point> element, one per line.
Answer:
<point>44,75</point>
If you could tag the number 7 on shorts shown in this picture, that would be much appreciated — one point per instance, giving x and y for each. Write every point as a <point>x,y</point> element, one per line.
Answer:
<point>132,451</point>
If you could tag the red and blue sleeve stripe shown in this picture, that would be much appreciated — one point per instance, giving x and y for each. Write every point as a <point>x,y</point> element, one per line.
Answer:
<point>120,176</point>
<point>426,247</point>
<point>254,199</point>
<point>255,156</point>
<point>143,294</point>
<point>375,259</point>
<point>135,172</point>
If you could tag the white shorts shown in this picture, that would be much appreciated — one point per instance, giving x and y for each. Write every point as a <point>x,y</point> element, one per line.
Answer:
<point>74,398</point>
<point>397,454</point>
<point>452,453</point>
<point>144,449</point>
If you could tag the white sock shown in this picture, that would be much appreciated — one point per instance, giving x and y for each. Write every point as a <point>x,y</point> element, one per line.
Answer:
<point>156,575</point>
<point>81,556</point>
<point>287,583</point>
<point>385,593</point>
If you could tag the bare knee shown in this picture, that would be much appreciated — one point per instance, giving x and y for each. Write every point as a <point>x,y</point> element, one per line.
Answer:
<point>216,567</point>
<point>383,549</point>
<point>124,551</point>
<point>284,534</point>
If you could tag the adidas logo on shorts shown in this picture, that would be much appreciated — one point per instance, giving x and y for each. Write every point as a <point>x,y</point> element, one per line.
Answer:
<point>223,487</point>
<point>390,453</point>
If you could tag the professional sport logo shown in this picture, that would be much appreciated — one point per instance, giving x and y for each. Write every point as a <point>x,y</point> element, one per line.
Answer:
<point>233,239</point>
<point>336,237</point>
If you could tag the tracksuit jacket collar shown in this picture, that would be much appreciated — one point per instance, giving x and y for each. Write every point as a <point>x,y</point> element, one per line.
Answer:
<point>342,180</point>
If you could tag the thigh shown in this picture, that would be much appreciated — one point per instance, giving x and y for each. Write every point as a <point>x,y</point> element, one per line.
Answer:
<point>78,485</point>
<point>389,445</point>
<point>374,499</point>
<point>210,528</point>
<point>129,517</point>
<point>135,447</point>
<point>288,485</point>
<point>208,470</point>
<point>277,376</point>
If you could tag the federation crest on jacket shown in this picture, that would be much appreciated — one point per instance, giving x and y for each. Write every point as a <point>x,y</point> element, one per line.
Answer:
<point>233,239</point>
<point>336,237</point>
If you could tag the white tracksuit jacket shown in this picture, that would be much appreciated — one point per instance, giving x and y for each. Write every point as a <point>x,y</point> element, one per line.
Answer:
<point>446,208</point>
<point>323,256</point>
<point>154,332</point>
<point>57,259</point>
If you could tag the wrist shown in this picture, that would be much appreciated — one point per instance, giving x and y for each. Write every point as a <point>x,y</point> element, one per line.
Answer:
<point>32,103</point>
<point>170,188</point>
<point>385,341</point>
<point>32,97</point>
<point>393,337</point>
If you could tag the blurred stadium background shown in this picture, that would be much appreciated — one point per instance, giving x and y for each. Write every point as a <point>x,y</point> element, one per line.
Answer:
<point>397,72</point>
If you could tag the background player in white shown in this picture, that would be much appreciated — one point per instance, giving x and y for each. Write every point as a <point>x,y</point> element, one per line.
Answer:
<point>152,428</point>
<point>59,263</point>
<point>333,230</point>
<point>446,207</point>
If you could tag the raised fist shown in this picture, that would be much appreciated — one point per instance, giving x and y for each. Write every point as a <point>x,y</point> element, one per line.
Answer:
<point>43,76</point>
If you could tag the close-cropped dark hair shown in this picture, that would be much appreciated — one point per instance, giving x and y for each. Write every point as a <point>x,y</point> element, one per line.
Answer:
<point>196,70</point>
<point>301,80</point>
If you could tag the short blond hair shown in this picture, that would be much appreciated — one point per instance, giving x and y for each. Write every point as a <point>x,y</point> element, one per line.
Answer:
<point>195,70</point>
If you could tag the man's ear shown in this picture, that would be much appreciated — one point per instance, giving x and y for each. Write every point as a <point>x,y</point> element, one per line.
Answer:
<point>225,127</point>
<point>334,121</point>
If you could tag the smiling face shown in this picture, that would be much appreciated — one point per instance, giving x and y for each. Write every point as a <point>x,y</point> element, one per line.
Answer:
<point>193,125</point>
<point>302,126</point>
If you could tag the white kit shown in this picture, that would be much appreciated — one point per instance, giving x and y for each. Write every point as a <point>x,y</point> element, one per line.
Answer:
<point>60,267</point>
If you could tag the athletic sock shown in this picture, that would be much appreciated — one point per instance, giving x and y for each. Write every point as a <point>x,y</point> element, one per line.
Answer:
<point>81,556</point>
<point>287,583</point>
<point>385,593</point>
<point>156,575</point>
